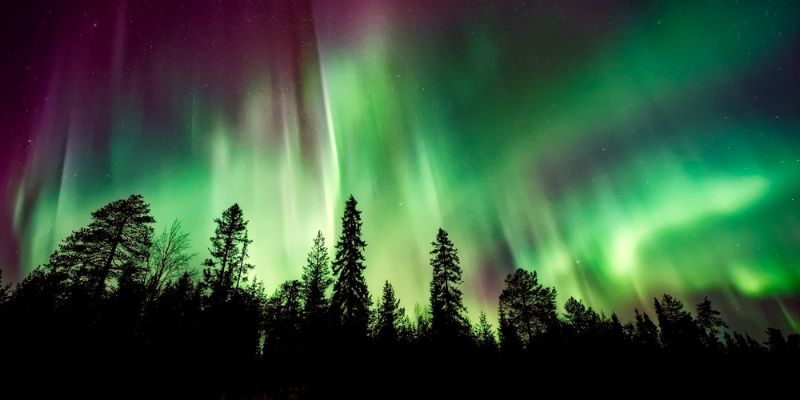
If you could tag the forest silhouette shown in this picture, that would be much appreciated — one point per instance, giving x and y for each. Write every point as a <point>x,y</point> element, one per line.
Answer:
<point>119,306</point>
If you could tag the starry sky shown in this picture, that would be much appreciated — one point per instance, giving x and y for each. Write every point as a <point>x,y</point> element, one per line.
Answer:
<point>620,149</point>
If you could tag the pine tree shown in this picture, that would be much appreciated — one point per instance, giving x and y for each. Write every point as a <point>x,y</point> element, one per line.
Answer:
<point>389,317</point>
<point>119,235</point>
<point>526,307</point>
<point>226,249</point>
<point>678,329</point>
<point>447,308</point>
<point>351,301</point>
<point>709,322</point>
<point>583,320</point>
<point>316,280</point>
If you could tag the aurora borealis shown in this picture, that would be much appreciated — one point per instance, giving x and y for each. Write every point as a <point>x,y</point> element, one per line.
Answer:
<point>620,151</point>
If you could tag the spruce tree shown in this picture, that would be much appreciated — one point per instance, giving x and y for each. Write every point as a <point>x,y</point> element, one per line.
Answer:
<point>447,309</point>
<point>351,300</point>
<point>316,280</point>
<point>229,237</point>
<point>389,316</point>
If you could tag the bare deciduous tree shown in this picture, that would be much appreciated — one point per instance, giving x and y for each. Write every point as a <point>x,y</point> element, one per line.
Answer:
<point>168,257</point>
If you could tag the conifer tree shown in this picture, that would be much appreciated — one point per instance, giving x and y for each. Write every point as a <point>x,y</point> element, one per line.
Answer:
<point>316,280</point>
<point>646,333</point>
<point>709,321</point>
<point>241,265</point>
<point>584,320</point>
<point>351,301</point>
<point>389,316</point>
<point>119,235</point>
<point>510,342</point>
<point>284,319</point>
<point>484,335</point>
<point>226,251</point>
<point>678,329</point>
<point>447,307</point>
<point>614,332</point>
<point>527,309</point>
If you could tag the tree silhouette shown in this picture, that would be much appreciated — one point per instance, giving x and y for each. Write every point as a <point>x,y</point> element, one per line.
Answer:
<point>240,265</point>
<point>422,327</point>
<point>678,329</point>
<point>583,320</point>
<point>447,309</point>
<point>172,323</point>
<point>315,282</point>
<point>510,341</point>
<point>120,318</point>
<point>240,327</point>
<point>646,333</point>
<point>284,319</point>
<point>389,317</point>
<point>118,235</point>
<point>709,323</point>
<point>776,343</point>
<point>730,344</point>
<point>5,290</point>
<point>351,301</point>
<point>614,333</point>
<point>527,309</point>
<point>169,258</point>
<point>484,335</point>
<point>229,236</point>
<point>97,303</point>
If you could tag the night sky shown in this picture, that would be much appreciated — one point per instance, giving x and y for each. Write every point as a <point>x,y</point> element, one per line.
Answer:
<point>619,150</point>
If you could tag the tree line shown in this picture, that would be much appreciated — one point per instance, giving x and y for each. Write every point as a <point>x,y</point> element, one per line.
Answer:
<point>114,296</point>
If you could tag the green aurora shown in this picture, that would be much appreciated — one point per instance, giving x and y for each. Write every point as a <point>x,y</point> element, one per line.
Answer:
<point>619,151</point>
